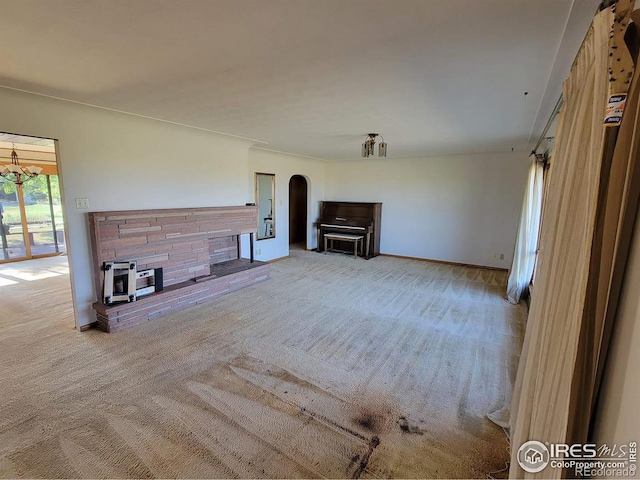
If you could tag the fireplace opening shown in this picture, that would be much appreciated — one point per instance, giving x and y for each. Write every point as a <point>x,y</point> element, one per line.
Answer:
<point>225,258</point>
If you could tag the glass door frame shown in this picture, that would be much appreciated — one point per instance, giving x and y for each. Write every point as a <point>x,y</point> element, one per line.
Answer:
<point>26,238</point>
<point>25,244</point>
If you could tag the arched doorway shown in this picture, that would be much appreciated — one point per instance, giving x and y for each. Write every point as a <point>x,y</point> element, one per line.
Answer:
<point>298,211</point>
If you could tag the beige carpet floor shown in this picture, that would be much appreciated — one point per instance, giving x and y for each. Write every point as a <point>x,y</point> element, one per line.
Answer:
<point>335,367</point>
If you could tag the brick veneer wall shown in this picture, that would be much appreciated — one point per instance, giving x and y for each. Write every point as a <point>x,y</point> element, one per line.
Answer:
<point>184,242</point>
<point>223,249</point>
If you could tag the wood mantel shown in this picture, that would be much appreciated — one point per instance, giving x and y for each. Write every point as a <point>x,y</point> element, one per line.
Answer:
<point>188,243</point>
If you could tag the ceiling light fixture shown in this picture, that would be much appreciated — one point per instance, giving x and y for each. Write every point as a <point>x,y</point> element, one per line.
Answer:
<point>15,172</point>
<point>369,143</point>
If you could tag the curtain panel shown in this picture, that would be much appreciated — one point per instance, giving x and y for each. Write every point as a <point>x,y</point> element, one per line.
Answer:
<point>591,204</point>
<point>617,211</point>
<point>524,257</point>
<point>562,348</point>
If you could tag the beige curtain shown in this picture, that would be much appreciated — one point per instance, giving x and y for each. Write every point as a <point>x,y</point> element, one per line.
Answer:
<point>617,211</point>
<point>590,209</point>
<point>551,366</point>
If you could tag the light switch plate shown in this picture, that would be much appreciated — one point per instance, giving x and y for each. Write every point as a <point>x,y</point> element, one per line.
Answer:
<point>82,203</point>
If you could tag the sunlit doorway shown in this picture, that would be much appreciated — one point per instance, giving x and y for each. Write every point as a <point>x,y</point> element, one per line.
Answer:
<point>31,219</point>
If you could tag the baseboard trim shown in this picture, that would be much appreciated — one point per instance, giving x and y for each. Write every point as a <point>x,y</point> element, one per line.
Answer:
<point>89,326</point>
<point>444,262</point>
<point>274,260</point>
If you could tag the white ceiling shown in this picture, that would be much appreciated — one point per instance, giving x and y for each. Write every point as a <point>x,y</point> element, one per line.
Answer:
<point>309,77</point>
<point>24,140</point>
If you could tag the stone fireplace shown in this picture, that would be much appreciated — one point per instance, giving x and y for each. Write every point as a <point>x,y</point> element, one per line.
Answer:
<point>198,250</point>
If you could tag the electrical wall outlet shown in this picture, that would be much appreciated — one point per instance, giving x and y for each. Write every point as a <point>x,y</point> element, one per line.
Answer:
<point>258,251</point>
<point>498,256</point>
<point>502,256</point>
<point>82,203</point>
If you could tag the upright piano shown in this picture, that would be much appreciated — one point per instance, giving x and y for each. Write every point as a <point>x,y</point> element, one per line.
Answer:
<point>356,218</point>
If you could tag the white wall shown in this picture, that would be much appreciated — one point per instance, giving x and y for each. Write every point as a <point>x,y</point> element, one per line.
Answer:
<point>458,208</point>
<point>617,419</point>
<point>123,162</point>
<point>284,167</point>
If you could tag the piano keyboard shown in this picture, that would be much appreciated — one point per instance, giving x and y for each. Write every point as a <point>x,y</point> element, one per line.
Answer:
<point>341,226</point>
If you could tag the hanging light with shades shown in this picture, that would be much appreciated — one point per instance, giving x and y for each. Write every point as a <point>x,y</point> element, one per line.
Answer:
<point>369,143</point>
<point>16,173</point>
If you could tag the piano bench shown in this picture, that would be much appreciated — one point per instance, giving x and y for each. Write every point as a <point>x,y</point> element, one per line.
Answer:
<point>355,239</point>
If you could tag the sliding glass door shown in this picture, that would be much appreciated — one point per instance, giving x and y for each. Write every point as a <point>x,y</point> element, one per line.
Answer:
<point>43,215</point>
<point>31,218</point>
<point>11,222</point>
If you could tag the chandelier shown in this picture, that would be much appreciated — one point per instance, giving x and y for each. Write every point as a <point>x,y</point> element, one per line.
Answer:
<point>16,173</point>
<point>369,143</point>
